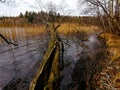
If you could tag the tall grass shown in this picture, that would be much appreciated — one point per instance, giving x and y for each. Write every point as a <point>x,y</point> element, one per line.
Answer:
<point>30,31</point>
<point>69,28</point>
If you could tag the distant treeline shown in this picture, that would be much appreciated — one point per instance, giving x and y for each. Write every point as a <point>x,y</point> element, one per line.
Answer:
<point>33,18</point>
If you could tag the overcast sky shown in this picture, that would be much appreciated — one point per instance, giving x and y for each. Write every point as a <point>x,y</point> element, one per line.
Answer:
<point>13,9</point>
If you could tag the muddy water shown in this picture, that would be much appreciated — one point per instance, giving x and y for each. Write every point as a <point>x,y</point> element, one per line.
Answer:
<point>18,64</point>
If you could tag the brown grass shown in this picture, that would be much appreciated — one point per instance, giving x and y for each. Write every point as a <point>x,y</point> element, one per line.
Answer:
<point>39,30</point>
<point>113,43</point>
<point>27,31</point>
<point>65,28</point>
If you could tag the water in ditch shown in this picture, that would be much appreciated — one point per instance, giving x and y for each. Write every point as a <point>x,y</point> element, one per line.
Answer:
<point>18,64</point>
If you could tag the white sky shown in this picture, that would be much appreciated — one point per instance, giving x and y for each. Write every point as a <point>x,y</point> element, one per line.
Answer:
<point>13,9</point>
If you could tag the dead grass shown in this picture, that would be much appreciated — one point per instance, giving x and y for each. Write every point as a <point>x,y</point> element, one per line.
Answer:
<point>39,30</point>
<point>113,43</point>
<point>31,31</point>
<point>67,28</point>
<point>14,32</point>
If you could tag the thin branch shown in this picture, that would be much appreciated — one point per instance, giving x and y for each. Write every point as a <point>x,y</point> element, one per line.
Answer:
<point>8,41</point>
<point>57,26</point>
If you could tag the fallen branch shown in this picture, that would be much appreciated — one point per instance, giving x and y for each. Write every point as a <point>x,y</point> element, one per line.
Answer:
<point>7,40</point>
<point>48,74</point>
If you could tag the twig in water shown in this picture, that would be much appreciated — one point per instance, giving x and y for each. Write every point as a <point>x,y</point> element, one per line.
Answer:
<point>7,40</point>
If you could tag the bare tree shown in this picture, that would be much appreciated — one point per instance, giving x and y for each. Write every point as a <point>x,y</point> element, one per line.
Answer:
<point>108,8</point>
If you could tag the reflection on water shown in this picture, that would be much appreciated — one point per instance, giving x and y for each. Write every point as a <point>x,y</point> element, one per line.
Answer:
<point>76,58</point>
<point>18,62</point>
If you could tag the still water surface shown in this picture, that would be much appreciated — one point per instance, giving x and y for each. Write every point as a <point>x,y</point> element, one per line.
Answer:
<point>18,64</point>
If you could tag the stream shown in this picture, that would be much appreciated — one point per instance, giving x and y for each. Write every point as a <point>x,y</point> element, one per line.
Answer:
<point>18,64</point>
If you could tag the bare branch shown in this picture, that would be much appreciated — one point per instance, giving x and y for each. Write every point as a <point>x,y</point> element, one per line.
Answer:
<point>7,40</point>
